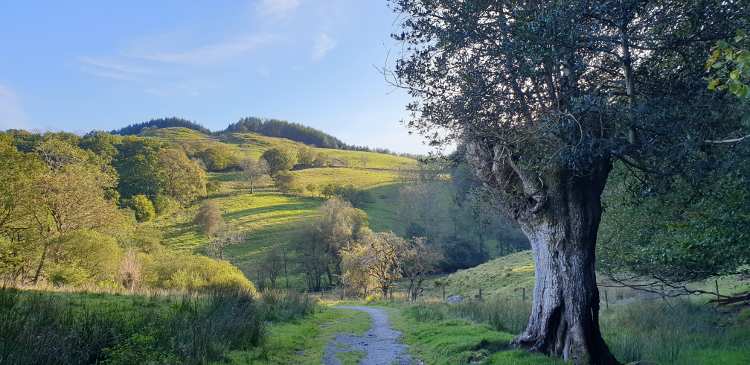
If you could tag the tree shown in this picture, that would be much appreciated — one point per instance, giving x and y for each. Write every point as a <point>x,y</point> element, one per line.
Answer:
<point>219,243</point>
<point>278,160</point>
<point>416,261</point>
<point>306,157</point>
<point>209,218</point>
<point>143,208</point>
<point>286,182</point>
<point>355,269</point>
<point>253,171</point>
<point>545,96</point>
<point>137,164</point>
<point>67,198</point>
<point>383,260</point>
<point>182,178</point>
<point>218,157</point>
<point>318,247</point>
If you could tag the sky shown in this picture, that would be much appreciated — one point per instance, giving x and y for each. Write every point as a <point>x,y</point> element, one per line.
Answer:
<point>100,65</point>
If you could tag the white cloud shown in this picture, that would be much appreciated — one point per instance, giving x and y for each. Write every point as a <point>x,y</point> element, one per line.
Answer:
<point>277,8</point>
<point>211,53</point>
<point>112,69</point>
<point>11,111</point>
<point>322,45</point>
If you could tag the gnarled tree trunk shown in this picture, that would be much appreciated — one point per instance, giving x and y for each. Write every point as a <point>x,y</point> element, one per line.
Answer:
<point>564,318</point>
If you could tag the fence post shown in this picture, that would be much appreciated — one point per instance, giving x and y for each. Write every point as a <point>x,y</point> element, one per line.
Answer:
<point>523,294</point>
<point>480,293</point>
<point>718,296</point>
<point>606,299</point>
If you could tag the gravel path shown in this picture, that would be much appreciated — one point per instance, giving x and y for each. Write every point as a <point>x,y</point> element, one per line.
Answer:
<point>380,343</point>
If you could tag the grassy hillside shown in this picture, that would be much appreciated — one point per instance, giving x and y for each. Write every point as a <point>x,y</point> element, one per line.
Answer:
<point>269,218</point>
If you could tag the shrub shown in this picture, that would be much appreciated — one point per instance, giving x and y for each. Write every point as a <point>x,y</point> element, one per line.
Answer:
<point>209,218</point>
<point>86,257</point>
<point>171,270</point>
<point>143,208</point>
<point>164,204</point>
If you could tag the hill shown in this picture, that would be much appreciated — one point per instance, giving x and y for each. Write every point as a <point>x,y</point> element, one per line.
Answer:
<point>283,129</point>
<point>269,218</point>
<point>172,122</point>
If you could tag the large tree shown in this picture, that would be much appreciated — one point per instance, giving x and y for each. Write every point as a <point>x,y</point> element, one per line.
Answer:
<point>545,95</point>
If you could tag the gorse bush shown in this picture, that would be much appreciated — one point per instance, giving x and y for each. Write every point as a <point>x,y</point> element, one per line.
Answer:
<point>38,328</point>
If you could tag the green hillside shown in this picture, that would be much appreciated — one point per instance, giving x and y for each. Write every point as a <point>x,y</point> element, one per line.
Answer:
<point>267,217</point>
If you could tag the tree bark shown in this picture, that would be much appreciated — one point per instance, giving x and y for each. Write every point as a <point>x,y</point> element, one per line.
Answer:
<point>564,318</point>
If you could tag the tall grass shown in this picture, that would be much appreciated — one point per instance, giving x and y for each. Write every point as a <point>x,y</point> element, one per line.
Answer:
<point>501,314</point>
<point>678,332</point>
<point>63,328</point>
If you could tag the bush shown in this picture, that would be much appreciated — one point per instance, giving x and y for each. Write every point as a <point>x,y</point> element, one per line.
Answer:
<point>143,208</point>
<point>165,204</point>
<point>179,271</point>
<point>209,218</point>
<point>286,183</point>
<point>86,257</point>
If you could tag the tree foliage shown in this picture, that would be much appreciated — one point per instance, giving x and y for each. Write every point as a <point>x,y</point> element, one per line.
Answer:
<point>280,128</point>
<point>173,122</point>
<point>279,160</point>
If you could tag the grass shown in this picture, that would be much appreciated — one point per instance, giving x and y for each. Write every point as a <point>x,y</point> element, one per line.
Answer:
<point>502,277</point>
<point>360,178</point>
<point>68,328</point>
<point>438,340</point>
<point>303,341</point>
<point>636,327</point>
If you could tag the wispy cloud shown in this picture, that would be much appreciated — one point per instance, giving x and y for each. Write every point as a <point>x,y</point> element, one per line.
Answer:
<point>211,53</point>
<point>277,8</point>
<point>11,110</point>
<point>322,45</point>
<point>112,69</point>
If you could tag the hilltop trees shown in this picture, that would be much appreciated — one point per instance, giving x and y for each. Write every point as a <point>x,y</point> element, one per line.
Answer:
<point>546,96</point>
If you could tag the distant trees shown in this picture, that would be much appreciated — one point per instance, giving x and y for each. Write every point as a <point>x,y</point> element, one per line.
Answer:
<point>209,219</point>
<point>279,160</point>
<point>137,128</point>
<point>217,157</point>
<point>306,157</point>
<point>253,171</point>
<point>279,128</point>
<point>349,193</point>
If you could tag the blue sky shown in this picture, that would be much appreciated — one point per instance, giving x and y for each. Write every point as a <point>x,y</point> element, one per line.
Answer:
<point>83,65</point>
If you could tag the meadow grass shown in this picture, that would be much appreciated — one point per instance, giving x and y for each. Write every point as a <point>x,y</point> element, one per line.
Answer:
<point>303,341</point>
<point>87,328</point>
<point>438,339</point>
